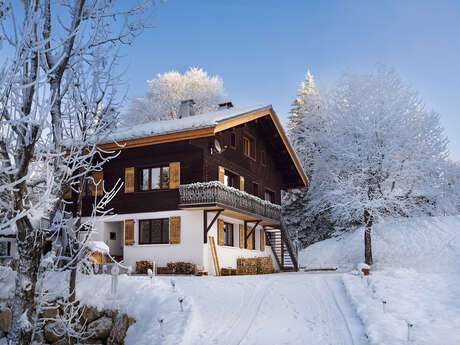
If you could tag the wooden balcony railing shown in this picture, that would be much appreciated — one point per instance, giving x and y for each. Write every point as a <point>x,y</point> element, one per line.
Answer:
<point>215,193</point>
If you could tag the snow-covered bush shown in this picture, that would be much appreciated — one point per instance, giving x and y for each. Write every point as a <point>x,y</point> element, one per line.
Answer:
<point>166,91</point>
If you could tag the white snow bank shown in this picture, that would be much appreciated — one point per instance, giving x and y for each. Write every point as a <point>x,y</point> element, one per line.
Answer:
<point>430,244</point>
<point>428,301</point>
<point>139,297</point>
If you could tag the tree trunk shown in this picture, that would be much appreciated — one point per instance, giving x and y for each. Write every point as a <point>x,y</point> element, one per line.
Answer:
<point>29,250</point>
<point>368,219</point>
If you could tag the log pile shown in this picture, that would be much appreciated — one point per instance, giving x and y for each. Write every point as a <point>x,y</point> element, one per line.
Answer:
<point>181,268</point>
<point>143,266</point>
<point>263,265</point>
<point>171,268</point>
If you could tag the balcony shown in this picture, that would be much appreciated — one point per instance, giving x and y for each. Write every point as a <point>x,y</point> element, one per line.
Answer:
<point>209,195</point>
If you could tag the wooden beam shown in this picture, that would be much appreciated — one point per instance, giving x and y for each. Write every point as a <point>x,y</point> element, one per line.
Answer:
<point>254,227</point>
<point>207,227</point>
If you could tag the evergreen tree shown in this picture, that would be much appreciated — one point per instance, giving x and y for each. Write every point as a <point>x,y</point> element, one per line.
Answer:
<point>306,122</point>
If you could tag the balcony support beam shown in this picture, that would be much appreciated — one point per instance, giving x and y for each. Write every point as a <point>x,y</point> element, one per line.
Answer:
<point>247,235</point>
<point>207,227</point>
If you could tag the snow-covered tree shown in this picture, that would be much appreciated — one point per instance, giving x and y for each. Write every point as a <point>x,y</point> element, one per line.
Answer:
<point>305,124</point>
<point>57,99</point>
<point>166,91</point>
<point>383,154</point>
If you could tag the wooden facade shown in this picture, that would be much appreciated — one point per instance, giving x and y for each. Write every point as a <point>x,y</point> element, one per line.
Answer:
<point>270,168</point>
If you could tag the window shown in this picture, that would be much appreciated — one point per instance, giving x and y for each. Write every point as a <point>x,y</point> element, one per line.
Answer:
<point>232,140</point>
<point>249,147</point>
<point>5,248</point>
<point>255,189</point>
<point>228,234</point>
<point>230,179</point>
<point>263,158</point>
<point>270,196</point>
<point>152,231</point>
<point>154,178</point>
<point>113,236</point>
<point>87,186</point>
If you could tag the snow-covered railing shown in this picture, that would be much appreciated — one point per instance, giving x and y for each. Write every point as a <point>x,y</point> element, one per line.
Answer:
<point>206,193</point>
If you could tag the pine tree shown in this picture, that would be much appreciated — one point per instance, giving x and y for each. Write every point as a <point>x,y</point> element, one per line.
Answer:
<point>305,122</point>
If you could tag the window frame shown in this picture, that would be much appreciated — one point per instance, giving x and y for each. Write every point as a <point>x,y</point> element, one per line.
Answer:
<point>226,231</point>
<point>250,139</point>
<point>255,189</point>
<point>162,240</point>
<point>270,192</point>
<point>230,144</point>
<point>149,168</point>
<point>229,174</point>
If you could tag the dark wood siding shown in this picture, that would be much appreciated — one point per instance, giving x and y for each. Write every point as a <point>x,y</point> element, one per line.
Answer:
<point>189,156</point>
<point>197,164</point>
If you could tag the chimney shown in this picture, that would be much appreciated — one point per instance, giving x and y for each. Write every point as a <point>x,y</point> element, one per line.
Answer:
<point>226,105</point>
<point>186,108</point>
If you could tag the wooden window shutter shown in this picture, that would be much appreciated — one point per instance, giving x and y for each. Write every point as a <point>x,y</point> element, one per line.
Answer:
<point>242,183</point>
<point>221,174</point>
<point>129,180</point>
<point>250,243</point>
<point>98,177</point>
<point>241,236</point>
<point>129,232</point>
<point>174,230</point>
<point>220,232</point>
<point>262,240</point>
<point>68,194</point>
<point>174,175</point>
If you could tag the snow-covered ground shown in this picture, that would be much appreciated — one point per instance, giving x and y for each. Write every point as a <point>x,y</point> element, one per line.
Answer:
<point>424,244</point>
<point>285,308</point>
<point>416,272</point>
<point>275,309</point>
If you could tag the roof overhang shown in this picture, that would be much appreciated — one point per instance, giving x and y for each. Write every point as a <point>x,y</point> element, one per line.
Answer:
<point>211,131</point>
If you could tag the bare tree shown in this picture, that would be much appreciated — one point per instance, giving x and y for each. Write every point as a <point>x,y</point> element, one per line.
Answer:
<point>57,97</point>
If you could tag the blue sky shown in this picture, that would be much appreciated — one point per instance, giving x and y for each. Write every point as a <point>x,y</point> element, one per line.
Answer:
<point>262,48</point>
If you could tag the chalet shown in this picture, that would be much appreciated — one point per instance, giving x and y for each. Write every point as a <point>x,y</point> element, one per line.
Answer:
<point>197,183</point>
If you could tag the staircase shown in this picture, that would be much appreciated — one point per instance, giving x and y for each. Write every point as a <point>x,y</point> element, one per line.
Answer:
<point>283,248</point>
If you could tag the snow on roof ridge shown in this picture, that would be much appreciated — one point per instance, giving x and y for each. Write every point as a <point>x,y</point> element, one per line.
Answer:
<point>178,125</point>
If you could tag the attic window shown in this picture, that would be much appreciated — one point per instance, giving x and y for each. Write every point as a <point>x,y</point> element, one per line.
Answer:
<point>232,140</point>
<point>249,147</point>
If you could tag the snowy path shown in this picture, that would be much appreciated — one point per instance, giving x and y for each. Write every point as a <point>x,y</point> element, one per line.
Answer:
<point>288,308</point>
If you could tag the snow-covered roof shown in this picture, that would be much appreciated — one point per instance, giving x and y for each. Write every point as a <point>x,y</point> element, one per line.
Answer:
<point>179,125</point>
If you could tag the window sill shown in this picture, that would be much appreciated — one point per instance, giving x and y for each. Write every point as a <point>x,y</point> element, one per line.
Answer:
<point>153,245</point>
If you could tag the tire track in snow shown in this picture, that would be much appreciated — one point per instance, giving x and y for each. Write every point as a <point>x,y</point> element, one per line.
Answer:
<point>339,308</point>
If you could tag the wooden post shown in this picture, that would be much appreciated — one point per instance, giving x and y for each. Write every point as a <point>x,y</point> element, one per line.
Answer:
<point>215,259</point>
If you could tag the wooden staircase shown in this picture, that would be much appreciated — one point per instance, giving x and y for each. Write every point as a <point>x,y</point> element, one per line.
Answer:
<point>282,247</point>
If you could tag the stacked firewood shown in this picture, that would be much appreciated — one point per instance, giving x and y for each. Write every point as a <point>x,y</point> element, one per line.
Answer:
<point>181,267</point>
<point>143,266</point>
<point>261,265</point>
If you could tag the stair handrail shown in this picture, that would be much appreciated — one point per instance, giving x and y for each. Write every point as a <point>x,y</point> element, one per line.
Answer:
<point>290,247</point>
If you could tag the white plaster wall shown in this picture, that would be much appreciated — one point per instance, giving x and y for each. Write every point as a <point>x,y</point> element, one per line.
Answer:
<point>98,232</point>
<point>115,246</point>
<point>189,249</point>
<point>228,255</point>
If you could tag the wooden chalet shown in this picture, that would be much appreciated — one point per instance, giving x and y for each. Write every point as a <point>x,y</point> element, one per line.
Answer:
<point>195,180</point>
